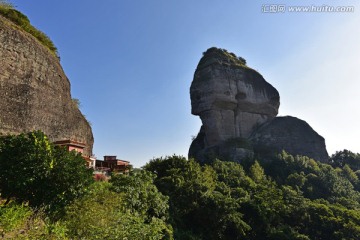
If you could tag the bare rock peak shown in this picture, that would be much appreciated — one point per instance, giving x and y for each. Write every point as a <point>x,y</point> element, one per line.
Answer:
<point>229,97</point>
<point>232,101</point>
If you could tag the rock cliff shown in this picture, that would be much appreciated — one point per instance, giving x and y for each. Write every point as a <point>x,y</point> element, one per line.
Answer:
<point>233,101</point>
<point>35,93</point>
<point>230,98</point>
<point>292,134</point>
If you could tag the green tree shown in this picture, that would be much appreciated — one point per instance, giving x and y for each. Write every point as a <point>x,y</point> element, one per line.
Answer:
<point>232,174</point>
<point>257,172</point>
<point>68,178</point>
<point>32,170</point>
<point>201,206</point>
<point>345,157</point>
<point>105,214</point>
<point>306,200</point>
<point>140,194</point>
<point>350,175</point>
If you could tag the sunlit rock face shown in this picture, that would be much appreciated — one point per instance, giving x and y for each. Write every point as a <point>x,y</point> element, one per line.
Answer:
<point>230,98</point>
<point>35,92</point>
<point>238,111</point>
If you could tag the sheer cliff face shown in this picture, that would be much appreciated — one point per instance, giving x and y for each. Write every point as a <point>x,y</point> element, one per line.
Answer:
<point>238,111</point>
<point>35,93</point>
<point>230,98</point>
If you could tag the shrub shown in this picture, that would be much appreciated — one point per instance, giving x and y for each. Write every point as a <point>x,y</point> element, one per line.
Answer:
<point>104,214</point>
<point>32,170</point>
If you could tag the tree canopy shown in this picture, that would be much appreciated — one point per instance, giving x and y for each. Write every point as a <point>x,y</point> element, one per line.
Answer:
<point>32,170</point>
<point>279,197</point>
<point>286,197</point>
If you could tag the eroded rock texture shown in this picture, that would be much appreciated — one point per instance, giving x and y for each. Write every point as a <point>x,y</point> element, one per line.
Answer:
<point>292,134</point>
<point>35,93</point>
<point>233,101</point>
<point>230,98</point>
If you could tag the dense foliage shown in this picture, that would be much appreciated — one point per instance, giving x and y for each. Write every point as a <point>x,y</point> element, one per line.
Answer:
<point>47,192</point>
<point>283,197</point>
<point>8,11</point>
<point>346,157</point>
<point>107,214</point>
<point>32,170</point>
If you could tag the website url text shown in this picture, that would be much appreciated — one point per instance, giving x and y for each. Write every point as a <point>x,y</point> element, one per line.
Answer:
<point>282,8</point>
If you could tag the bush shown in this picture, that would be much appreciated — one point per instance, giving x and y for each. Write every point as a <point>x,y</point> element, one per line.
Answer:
<point>18,221</point>
<point>105,214</point>
<point>12,216</point>
<point>32,170</point>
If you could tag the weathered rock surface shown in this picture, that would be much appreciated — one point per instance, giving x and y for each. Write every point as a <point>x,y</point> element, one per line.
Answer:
<point>290,134</point>
<point>232,101</point>
<point>35,93</point>
<point>232,149</point>
<point>230,98</point>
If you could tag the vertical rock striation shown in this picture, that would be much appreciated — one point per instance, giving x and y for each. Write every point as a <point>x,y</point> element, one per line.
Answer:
<point>230,98</point>
<point>35,93</point>
<point>232,101</point>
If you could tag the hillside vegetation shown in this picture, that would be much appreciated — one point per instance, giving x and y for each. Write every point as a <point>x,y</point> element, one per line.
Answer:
<point>285,197</point>
<point>7,11</point>
<point>47,193</point>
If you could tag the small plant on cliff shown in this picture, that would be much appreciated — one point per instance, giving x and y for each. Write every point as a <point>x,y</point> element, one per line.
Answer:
<point>7,10</point>
<point>230,56</point>
<point>76,102</point>
<point>5,3</point>
<point>242,60</point>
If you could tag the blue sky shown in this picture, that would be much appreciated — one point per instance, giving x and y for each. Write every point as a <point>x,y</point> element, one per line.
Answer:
<point>131,64</point>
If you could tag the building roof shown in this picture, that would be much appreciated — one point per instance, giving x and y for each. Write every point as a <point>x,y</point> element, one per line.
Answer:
<point>70,143</point>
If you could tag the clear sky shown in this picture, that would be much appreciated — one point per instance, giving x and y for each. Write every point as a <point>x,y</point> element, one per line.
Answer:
<point>131,63</point>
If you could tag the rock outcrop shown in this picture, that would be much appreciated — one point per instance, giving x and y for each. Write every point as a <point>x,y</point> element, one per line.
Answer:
<point>290,134</point>
<point>233,101</point>
<point>35,93</point>
<point>230,98</point>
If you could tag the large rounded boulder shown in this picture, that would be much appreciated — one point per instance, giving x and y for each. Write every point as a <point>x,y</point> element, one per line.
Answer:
<point>292,135</point>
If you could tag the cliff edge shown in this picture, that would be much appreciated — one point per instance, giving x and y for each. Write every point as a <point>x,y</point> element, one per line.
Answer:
<point>34,90</point>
